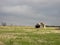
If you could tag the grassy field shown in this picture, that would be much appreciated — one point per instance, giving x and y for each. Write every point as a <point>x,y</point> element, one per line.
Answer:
<point>26,35</point>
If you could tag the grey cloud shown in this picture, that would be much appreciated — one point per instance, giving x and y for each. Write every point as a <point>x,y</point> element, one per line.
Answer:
<point>30,10</point>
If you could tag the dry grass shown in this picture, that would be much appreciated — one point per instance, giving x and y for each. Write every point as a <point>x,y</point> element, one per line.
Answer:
<point>26,35</point>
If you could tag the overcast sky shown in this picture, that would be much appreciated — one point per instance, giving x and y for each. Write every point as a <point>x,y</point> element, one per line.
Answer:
<point>30,12</point>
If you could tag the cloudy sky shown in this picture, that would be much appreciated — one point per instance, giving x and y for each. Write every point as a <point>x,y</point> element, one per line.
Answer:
<point>30,12</point>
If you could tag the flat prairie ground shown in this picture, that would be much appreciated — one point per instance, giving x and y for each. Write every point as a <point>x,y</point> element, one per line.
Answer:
<point>26,35</point>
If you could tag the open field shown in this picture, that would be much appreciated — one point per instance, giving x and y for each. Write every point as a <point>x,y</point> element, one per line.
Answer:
<point>25,35</point>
